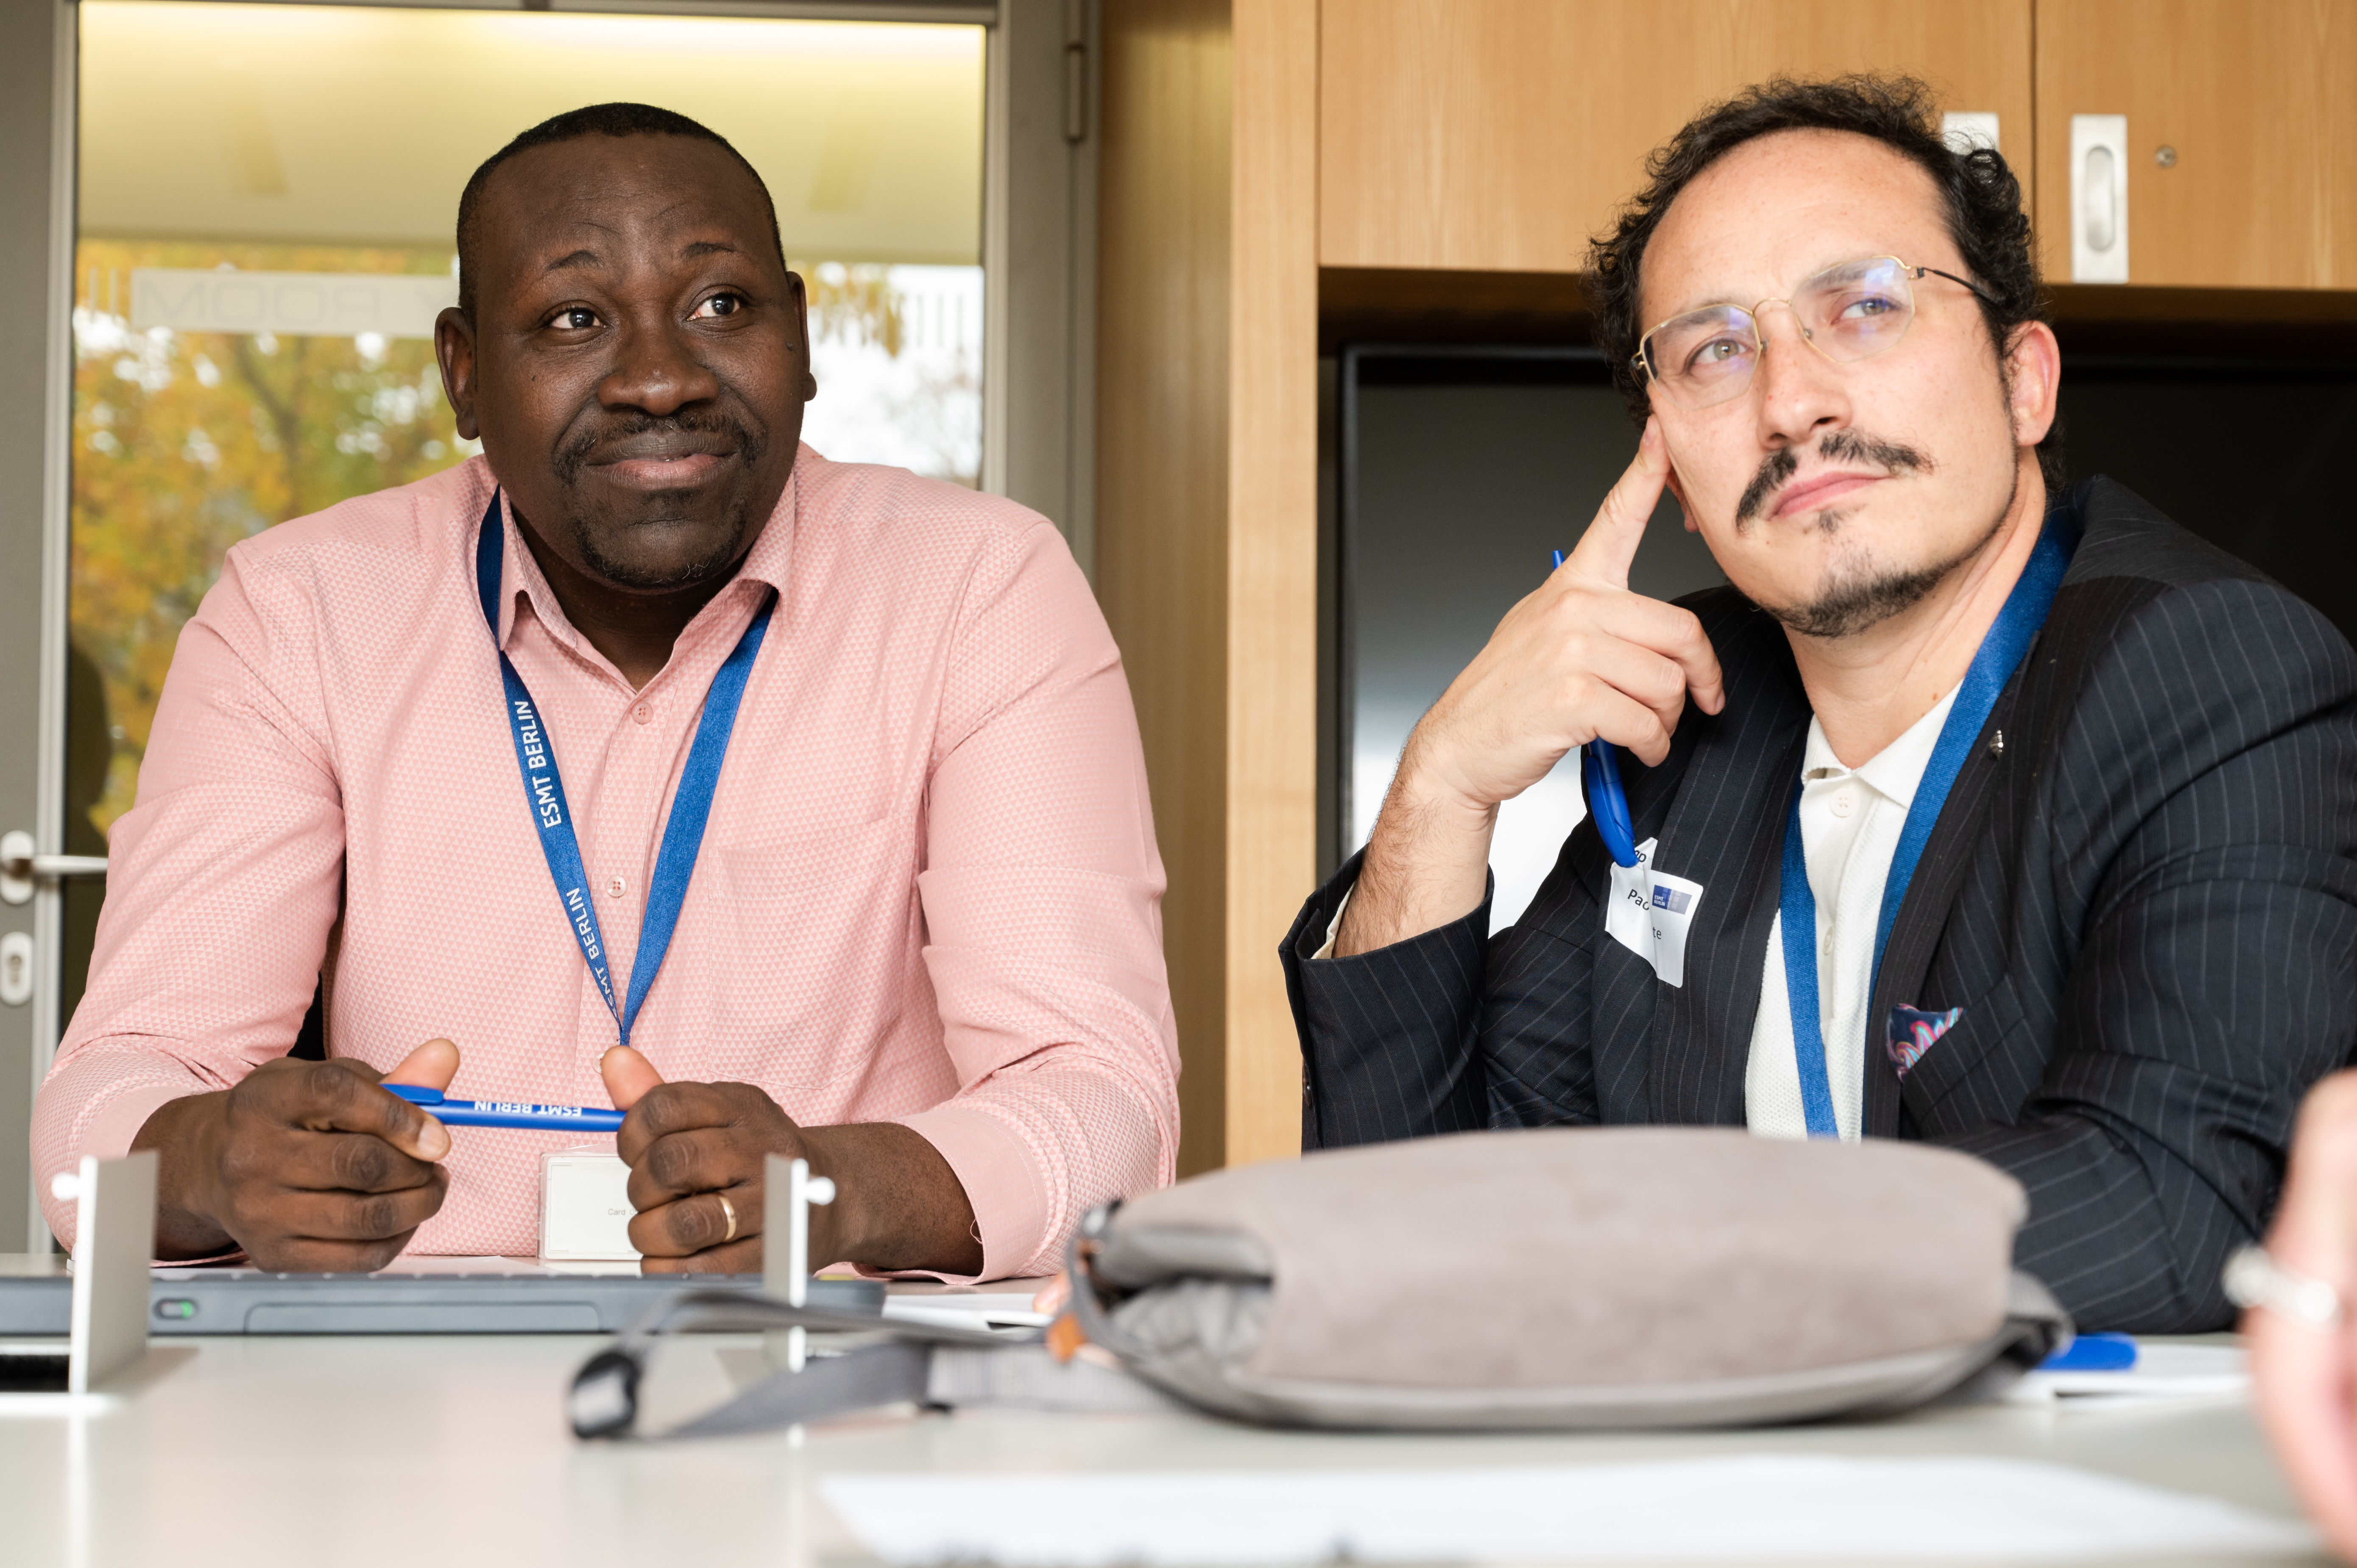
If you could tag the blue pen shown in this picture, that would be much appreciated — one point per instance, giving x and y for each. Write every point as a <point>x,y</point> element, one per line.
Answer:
<point>1608,803</point>
<point>507,1112</point>
<point>2094,1353</point>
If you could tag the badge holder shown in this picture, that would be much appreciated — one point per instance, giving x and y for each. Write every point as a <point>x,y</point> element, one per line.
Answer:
<point>585,1207</point>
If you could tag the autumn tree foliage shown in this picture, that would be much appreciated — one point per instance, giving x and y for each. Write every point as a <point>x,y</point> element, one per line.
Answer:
<point>185,443</point>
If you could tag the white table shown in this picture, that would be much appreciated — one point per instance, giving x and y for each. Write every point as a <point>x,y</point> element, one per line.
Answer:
<point>447,1450</point>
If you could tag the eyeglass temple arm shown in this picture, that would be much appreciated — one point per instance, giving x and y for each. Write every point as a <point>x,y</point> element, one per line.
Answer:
<point>1978,290</point>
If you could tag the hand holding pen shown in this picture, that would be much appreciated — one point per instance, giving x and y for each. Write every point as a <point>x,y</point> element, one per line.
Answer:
<point>694,1150</point>
<point>304,1166</point>
<point>698,1154</point>
<point>1600,786</point>
<point>1581,659</point>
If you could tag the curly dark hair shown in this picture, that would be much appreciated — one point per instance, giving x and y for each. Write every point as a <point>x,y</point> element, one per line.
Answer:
<point>1982,197</point>
<point>596,119</point>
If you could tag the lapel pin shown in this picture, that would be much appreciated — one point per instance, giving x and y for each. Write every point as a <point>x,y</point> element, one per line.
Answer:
<point>1997,744</point>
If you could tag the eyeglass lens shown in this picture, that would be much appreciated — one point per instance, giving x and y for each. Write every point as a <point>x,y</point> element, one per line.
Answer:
<point>1849,312</point>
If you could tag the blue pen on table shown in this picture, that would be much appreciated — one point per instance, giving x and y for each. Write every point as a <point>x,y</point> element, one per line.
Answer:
<point>506,1113</point>
<point>2094,1353</point>
<point>1608,803</point>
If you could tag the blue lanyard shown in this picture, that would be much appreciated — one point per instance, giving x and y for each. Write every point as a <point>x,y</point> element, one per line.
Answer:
<point>544,788</point>
<point>2000,651</point>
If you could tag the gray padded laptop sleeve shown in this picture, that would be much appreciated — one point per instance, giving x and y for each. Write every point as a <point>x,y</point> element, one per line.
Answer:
<point>1596,1277</point>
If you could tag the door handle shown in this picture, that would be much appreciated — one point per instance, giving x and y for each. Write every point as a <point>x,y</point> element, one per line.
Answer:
<point>20,867</point>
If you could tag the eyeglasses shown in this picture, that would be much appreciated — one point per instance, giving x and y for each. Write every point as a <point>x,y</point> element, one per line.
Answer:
<point>1847,313</point>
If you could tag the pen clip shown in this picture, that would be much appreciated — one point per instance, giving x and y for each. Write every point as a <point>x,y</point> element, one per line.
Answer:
<point>415,1094</point>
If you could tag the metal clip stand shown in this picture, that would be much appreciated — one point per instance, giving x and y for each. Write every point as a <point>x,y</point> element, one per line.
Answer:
<point>114,1235</point>
<point>790,1189</point>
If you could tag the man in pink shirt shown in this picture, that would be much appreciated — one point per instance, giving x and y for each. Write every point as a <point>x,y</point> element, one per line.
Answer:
<point>917,941</point>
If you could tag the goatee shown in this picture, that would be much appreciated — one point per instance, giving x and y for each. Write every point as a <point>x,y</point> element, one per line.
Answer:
<point>1860,592</point>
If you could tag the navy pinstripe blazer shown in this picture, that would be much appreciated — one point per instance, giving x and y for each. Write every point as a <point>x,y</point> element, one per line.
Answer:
<point>2144,900</point>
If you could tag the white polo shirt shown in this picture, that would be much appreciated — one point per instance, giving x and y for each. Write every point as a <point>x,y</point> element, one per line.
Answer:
<point>1850,823</point>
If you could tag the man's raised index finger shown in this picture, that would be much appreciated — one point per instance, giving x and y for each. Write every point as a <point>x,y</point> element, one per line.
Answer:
<point>1605,551</point>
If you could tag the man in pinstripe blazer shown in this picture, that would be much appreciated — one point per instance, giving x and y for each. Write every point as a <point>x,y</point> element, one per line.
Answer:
<point>2051,806</point>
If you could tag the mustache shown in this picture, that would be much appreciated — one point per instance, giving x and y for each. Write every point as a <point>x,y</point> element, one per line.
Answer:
<point>1776,469</point>
<point>576,455</point>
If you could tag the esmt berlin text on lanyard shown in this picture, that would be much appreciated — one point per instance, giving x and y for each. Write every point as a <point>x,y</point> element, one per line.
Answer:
<point>543,789</point>
<point>2000,651</point>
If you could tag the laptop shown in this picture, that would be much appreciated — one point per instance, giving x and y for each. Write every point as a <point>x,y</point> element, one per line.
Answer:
<point>415,1296</point>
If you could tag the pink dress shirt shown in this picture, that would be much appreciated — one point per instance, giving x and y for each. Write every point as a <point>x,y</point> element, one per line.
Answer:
<point>929,891</point>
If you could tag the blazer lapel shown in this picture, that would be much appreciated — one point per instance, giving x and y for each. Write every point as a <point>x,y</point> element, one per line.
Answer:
<point>1923,917</point>
<point>1990,797</point>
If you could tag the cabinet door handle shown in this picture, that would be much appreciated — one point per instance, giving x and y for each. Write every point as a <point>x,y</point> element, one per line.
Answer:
<point>2099,198</point>
<point>2100,212</point>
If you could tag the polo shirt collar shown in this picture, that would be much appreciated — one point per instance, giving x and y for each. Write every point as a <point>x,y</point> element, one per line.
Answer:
<point>1895,770</point>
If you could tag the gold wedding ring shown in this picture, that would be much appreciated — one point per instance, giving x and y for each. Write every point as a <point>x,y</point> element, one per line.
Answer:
<point>729,1209</point>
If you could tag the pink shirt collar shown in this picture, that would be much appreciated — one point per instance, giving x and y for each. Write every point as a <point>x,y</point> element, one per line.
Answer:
<point>766,566</point>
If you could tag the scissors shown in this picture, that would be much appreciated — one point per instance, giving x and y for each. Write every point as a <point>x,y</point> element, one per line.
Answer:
<point>1608,803</point>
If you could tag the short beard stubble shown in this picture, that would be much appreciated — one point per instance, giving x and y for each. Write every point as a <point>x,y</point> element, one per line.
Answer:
<point>1859,593</point>
<point>575,456</point>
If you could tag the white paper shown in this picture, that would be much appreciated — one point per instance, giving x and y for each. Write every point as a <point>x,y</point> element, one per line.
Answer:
<point>1648,911</point>
<point>1790,1508</point>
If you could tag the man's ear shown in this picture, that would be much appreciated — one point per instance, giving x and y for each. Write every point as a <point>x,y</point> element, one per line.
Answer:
<point>801,332</point>
<point>2033,382</point>
<point>1677,486</point>
<point>1686,513</point>
<point>454,349</point>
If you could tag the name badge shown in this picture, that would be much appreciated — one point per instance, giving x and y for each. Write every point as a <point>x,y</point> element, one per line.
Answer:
<point>585,1207</point>
<point>1648,912</point>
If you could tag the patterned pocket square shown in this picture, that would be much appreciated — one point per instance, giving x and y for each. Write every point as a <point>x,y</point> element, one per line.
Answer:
<point>1913,1031</point>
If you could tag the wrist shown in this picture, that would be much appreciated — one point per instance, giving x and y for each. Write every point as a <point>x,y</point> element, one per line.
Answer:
<point>897,1205</point>
<point>1429,786</point>
<point>187,1135</point>
<point>836,1235</point>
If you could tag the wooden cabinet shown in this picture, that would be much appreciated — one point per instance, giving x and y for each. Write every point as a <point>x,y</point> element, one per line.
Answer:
<point>2255,101</point>
<point>1499,135</point>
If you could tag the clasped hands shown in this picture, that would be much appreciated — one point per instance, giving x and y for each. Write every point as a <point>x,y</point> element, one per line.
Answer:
<point>309,1168</point>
